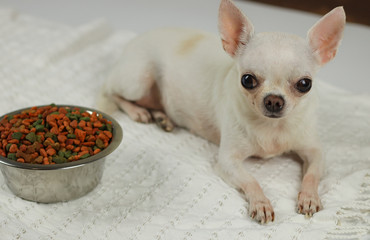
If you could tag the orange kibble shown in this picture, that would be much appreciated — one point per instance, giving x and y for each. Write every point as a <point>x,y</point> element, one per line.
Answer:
<point>53,124</point>
<point>83,153</point>
<point>54,130</point>
<point>70,147</point>
<point>62,110</point>
<point>90,144</point>
<point>62,138</point>
<point>108,134</point>
<point>34,155</point>
<point>66,123</point>
<point>80,134</point>
<point>103,137</point>
<point>43,152</point>
<point>13,148</point>
<point>77,149</point>
<point>82,123</point>
<point>73,124</point>
<point>20,160</point>
<point>15,141</point>
<point>26,142</point>
<point>84,148</point>
<point>97,151</point>
<point>2,153</point>
<point>98,124</point>
<point>51,151</point>
<point>45,161</point>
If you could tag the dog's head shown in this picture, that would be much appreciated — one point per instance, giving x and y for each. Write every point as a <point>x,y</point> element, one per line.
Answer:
<point>276,70</point>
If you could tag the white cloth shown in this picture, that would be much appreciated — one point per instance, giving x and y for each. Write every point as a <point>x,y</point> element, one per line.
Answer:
<point>159,185</point>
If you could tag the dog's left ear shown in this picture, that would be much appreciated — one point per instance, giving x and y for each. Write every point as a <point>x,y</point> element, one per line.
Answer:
<point>324,37</point>
<point>234,27</point>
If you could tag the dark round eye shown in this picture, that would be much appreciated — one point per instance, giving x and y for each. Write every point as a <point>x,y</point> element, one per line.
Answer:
<point>249,81</point>
<point>304,85</point>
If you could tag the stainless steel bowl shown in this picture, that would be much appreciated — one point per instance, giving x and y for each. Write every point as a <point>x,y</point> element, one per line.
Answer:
<point>58,182</point>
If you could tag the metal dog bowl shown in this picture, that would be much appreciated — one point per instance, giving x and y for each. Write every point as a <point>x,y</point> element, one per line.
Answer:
<point>58,182</point>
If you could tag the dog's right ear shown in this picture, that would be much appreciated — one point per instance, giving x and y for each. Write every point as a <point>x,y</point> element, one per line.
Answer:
<point>234,27</point>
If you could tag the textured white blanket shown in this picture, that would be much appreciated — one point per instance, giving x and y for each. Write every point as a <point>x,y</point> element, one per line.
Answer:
<point>160,185</point>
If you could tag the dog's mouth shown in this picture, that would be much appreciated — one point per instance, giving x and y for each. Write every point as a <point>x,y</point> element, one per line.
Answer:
<point>273,115</point>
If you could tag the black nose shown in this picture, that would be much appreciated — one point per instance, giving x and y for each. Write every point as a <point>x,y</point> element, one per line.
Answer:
<point>274,103</point>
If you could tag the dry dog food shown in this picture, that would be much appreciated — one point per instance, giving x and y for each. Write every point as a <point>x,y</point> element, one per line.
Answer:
<point>51,134</point>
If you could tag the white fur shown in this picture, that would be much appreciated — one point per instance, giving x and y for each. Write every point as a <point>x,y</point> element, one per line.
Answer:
<point>200,90</point>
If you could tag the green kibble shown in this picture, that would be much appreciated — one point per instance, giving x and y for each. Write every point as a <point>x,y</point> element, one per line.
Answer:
<point>38,122</point>
<point>38,138</point>
<point>54,113</point>
<point>39,128</point>
<point>73,136</point>
<point>58,159</point>
<point>109,127</point>
<point>85,156</point>
<point>49,135</point>
<point>86,119</point>
<point>10,117</point>
<point>52,105</point>
<point>61,154</point>
<point>31,137</point>
<point>103,127</point>
<point>72,117</point>
<point>17,135</point>
<point>39,116</point>
<point>12,156</point>
<point>67,154</point>
<point>8,146</point>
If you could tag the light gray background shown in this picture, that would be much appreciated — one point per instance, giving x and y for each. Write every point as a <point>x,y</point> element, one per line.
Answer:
<point>349,70</point>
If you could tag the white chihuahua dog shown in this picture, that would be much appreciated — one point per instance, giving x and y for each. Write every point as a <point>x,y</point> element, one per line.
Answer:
<point>250,93</point>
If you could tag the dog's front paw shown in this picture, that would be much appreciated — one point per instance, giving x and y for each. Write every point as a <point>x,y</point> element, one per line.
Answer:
<point>309,203</point>
<point>261,210</point>
<point>140,115</point>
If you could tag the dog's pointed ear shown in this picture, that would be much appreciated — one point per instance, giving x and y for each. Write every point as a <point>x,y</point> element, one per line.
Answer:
<point>235,28</point>
<point>325,36</point>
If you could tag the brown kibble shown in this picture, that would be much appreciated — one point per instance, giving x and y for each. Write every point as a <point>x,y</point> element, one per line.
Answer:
<point>39,159</point>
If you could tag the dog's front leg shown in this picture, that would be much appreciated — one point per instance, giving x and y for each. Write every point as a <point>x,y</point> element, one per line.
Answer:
<point>230,166</point>
<point>308,198</point>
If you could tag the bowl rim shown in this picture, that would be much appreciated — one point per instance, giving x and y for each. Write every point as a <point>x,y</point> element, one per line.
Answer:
<point>116,141</point>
